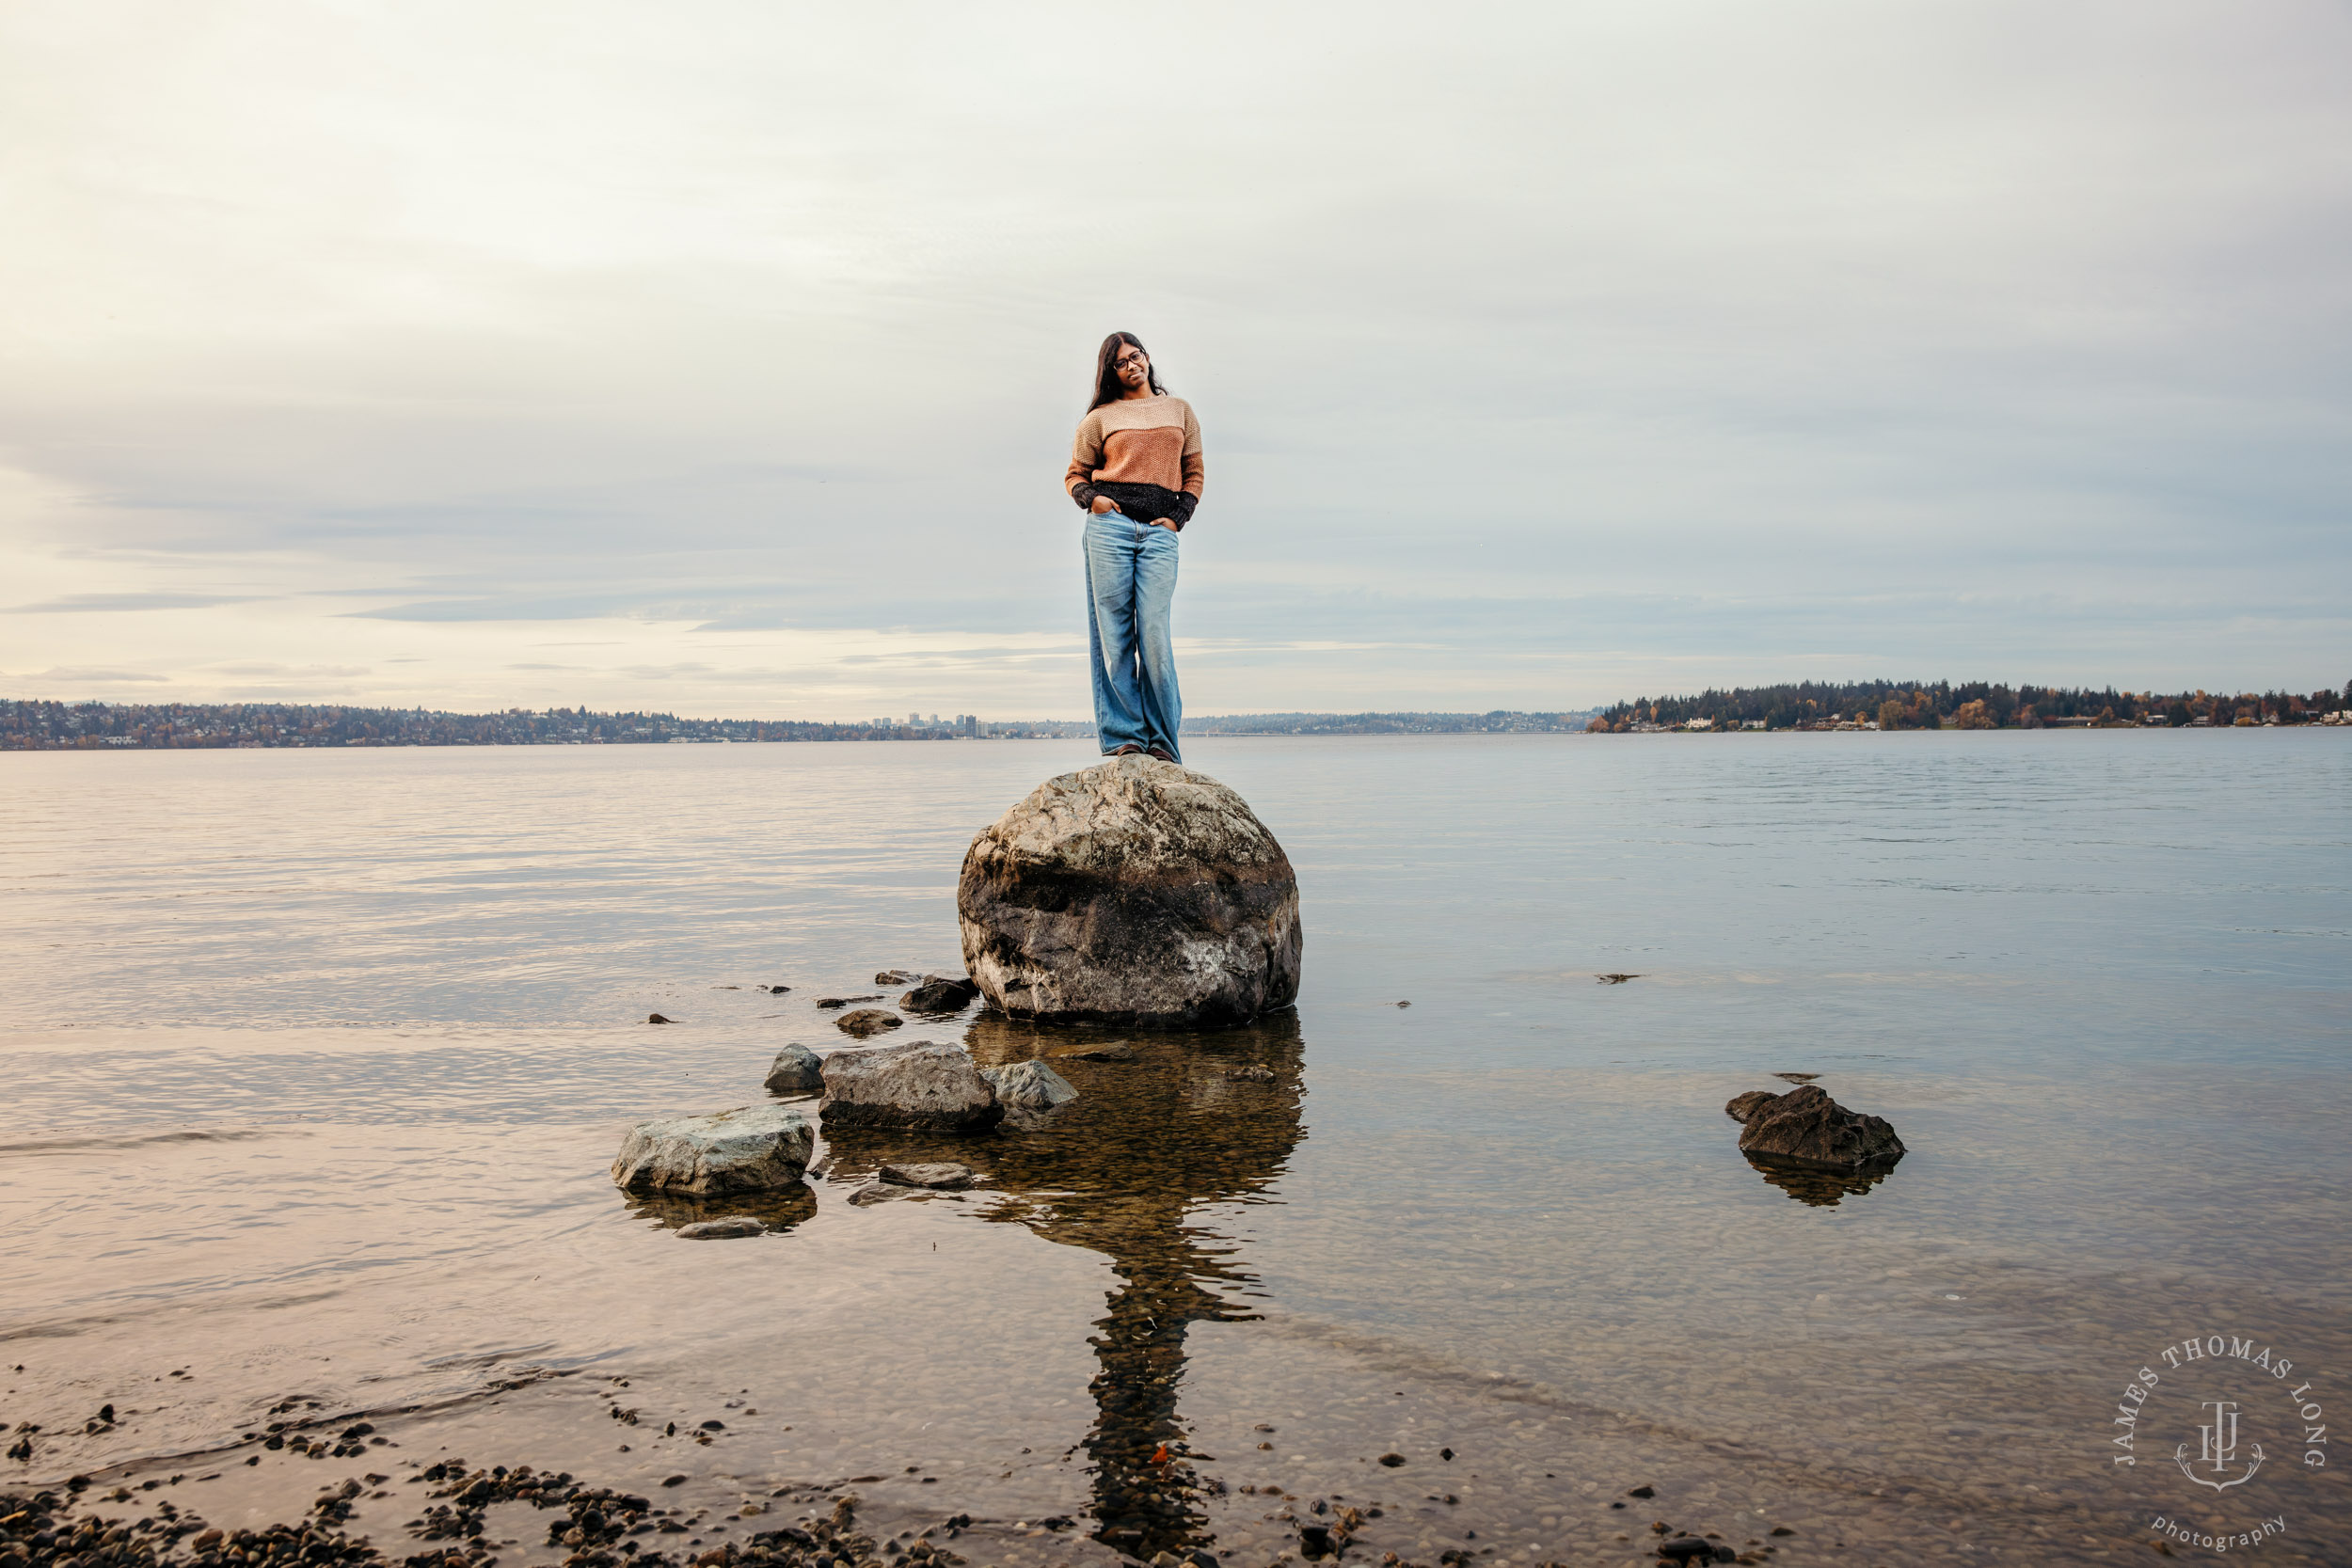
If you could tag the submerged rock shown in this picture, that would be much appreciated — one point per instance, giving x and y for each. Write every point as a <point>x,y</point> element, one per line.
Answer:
<point>1107,1051</point>
<point>750,1148</point>
<point>1807,1129</point>
<point>1138,892</point>
<point>940,1175</point>
<point>868,1022</point>
<point>919,1087</point>
<point>897,977</point>
<point>722,1230</point>
<point>797,1069</point>
<point>939,994</point>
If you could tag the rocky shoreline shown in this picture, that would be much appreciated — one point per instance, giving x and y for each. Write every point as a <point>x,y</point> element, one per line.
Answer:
<point>460,1516</point>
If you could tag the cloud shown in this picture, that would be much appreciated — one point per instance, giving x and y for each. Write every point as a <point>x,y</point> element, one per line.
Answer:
<point>86,604</point>
<point>1591,347</point>
<point>40,680</point>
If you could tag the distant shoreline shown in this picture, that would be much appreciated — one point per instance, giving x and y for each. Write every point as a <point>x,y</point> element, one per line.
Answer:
<point>47,726</point>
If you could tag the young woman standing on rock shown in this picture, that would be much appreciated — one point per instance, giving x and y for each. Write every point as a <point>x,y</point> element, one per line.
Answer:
<point>1136,468</point>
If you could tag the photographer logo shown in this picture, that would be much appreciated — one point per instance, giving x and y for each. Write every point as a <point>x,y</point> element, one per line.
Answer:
<point>2210,1403</point>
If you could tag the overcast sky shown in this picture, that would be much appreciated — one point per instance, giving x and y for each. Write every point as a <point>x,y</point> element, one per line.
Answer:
<point>722,358</point>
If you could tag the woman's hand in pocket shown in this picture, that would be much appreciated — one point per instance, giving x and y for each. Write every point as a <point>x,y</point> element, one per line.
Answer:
<point>1103,504</point>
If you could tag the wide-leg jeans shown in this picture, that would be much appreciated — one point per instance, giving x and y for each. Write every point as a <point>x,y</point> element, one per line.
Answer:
<point>1131,586</point>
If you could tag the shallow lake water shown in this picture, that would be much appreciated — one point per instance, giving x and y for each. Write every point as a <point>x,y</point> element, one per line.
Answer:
<point>317,1061</point>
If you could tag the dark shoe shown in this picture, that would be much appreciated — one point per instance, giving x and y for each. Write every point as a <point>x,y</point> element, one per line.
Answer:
<point>1130,750</point>
<point>1161,756</point>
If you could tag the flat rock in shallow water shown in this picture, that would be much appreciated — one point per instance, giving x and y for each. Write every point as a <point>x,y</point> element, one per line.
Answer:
<point>918,1087</point>
<point>1114,1051</point>
<point>721,1230</point>
<point>797,1069</point>
<point>868,1022</point>
<point>751,1149</point>
<point>1807,1129</point>
<point>897,977</point>
<point>938,1174</point>
<point>1138,892</point>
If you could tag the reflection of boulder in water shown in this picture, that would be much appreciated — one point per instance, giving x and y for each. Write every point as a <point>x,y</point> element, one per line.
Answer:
<point>1123,1170</point>
<point>778,1210</point>
<point>1823,1189</point>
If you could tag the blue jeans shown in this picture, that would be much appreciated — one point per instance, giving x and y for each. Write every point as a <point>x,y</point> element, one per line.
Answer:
<point>1131,583</point>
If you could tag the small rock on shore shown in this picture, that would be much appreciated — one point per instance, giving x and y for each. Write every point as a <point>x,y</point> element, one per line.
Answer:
<point>1029,1086</point>
<point>939,994</point>
<point>1807,1129</point>
<point>750,1148</point>
<point>797,1069</point>
<point>920,1087</point>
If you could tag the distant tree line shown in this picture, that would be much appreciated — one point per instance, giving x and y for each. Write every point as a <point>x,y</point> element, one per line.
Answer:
<point>37,726</point>
<point>1967,706</point>
<point>1499,721</point>
<point>65,726</point>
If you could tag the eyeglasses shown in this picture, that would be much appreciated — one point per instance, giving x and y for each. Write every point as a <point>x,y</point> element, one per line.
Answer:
<point>1130,359</point>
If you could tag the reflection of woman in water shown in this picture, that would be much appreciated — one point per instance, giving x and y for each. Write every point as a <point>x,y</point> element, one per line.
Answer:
<point>1135,467</point>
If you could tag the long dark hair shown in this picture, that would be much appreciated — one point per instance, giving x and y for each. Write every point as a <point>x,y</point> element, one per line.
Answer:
<point>1107,387</point>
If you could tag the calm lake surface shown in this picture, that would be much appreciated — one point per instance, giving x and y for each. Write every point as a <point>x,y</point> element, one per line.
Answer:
<point>316,1063</point>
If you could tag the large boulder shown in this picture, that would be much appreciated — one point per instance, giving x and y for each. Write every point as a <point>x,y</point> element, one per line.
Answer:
<point>914,1087</point>
<point>1138,892</point>
<point>1807,1129</point>
<point>749,1149</point>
